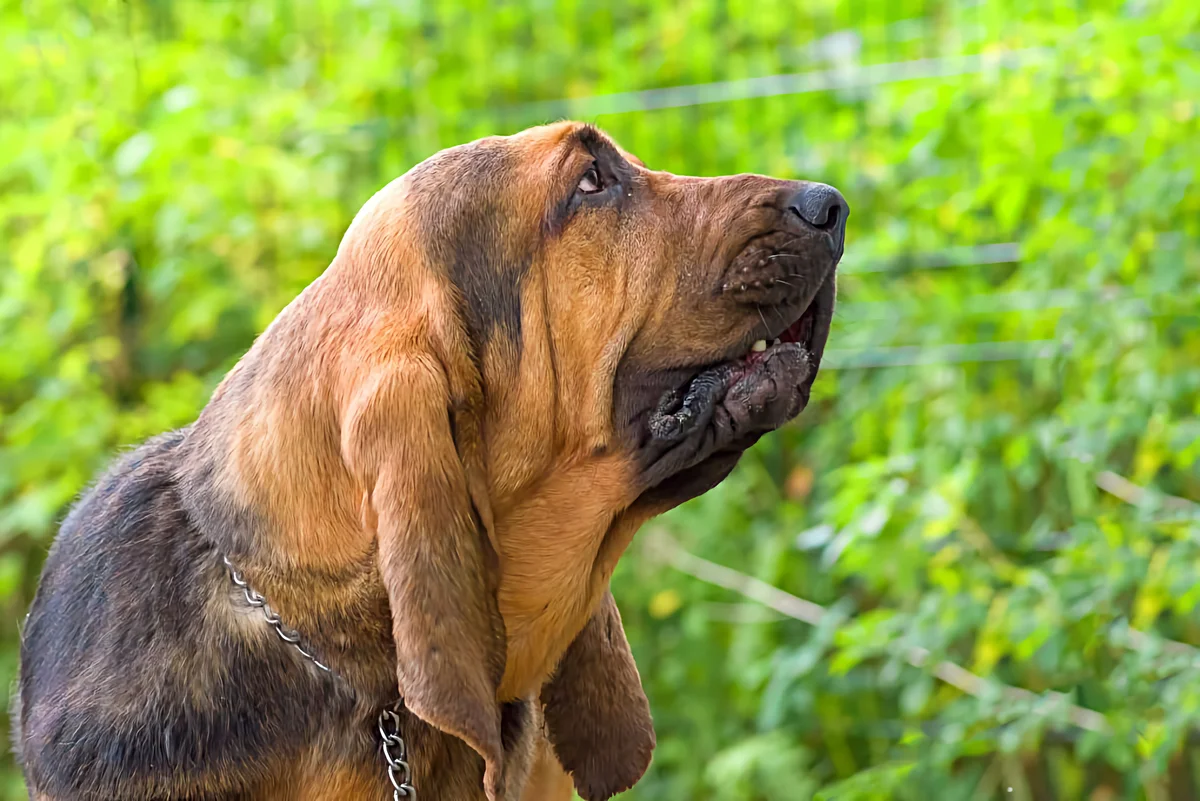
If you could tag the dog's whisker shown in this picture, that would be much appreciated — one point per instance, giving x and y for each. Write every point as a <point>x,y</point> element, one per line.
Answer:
<point>787,245</point>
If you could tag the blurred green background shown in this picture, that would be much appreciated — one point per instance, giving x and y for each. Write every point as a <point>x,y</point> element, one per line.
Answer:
<point>987,498</point>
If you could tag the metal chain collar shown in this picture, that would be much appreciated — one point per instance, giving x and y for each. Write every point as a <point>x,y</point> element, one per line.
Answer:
<point>395,753</point>
<point>398,775</point>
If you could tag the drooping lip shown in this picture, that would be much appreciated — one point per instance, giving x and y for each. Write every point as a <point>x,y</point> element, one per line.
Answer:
<point>809,328</point>
<point>753,391</point>
<point>756,391</point>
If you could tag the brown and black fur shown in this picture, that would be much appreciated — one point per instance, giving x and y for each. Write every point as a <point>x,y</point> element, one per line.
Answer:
<point>429,464</point>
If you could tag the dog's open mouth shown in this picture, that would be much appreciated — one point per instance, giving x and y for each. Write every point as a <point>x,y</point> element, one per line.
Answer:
<point>800,333</point>
<point>757,391</point>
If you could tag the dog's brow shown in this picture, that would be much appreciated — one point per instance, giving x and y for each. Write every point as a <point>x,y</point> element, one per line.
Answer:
<point>591,138</point>
<point>566,149</point>
<point>587,137</point>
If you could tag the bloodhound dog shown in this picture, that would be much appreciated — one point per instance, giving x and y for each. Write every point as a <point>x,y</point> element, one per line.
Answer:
<point>411,492</point>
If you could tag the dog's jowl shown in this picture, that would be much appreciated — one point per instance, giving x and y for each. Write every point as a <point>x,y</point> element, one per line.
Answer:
<point>410,493</point>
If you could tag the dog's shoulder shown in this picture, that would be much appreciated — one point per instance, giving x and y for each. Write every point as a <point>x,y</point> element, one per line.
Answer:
<point>129,507</point>
<point>123,543</point>
<point>131,512</point>
<point>117,657</point>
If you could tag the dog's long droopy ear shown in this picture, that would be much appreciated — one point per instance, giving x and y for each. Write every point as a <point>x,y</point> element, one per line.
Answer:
<point>596,712</point>
<point>399,443</point>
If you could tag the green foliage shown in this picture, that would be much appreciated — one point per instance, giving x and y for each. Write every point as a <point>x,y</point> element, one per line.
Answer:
<point>172,173</point>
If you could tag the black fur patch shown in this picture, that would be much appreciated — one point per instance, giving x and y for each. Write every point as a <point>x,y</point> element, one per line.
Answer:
<point>131,689</point>
<point>127,688</point>
<point>484,246</point>
<point>490,292</point>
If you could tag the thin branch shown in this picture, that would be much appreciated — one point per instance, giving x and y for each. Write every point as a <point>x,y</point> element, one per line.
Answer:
<point>1141,640</point>
<point>1121,487</point>
<point>671,552</point>
<point>747,586</point>
<point>747,613</point>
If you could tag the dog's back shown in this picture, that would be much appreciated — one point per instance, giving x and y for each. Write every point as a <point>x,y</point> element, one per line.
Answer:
<point>121,667</point>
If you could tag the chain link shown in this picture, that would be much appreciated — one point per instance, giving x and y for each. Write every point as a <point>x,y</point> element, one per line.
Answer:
<point>395,753</point>
<point>397,764</point>
<point>256,600</point>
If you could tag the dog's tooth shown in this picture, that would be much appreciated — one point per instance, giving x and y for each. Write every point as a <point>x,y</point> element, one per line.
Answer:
<point>775,341</point>
<point>759,346</point>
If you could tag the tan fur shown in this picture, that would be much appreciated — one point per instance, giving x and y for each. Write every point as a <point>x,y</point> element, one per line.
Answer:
<point>361,369</point>
<point>547,780</point>
<point>366,341</point>
<point>466,498</point>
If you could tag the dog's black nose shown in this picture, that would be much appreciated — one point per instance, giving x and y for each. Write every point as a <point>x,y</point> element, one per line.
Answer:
<point>822,206</point>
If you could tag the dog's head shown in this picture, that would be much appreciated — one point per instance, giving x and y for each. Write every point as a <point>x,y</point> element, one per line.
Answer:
<point>613,310</point>
<point>535,343</point>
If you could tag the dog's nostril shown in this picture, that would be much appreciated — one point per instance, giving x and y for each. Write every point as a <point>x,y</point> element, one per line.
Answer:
<point>821,206</point>
<point>833,216</point>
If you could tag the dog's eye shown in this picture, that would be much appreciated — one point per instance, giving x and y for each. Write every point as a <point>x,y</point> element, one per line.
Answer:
<point>589,184</point>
